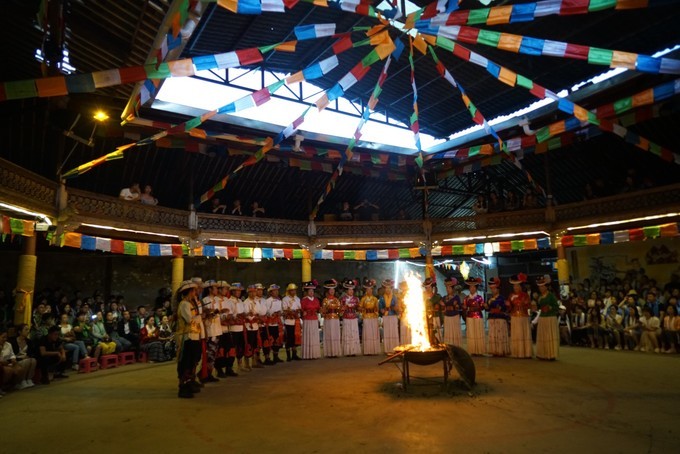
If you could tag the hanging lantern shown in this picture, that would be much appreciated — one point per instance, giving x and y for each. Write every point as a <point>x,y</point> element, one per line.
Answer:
<point>488,249</point>
<point>465,270</point>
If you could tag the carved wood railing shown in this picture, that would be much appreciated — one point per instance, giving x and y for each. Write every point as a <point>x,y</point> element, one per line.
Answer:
<point>24,188</point>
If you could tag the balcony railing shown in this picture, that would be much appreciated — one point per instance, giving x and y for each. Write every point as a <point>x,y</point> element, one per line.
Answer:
<point>24,188</point>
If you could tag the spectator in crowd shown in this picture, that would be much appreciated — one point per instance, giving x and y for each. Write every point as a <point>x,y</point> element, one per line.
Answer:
<point>595,328</point>
<point>167,338</point>
<point>13,373</point>
<point>671,326</point>
<point>495,203</point>
<point>150,342</point>
<point>25,352</point>
<point>256,210</point>
<point>480,205</point>
<point>73,347</point>
<point>141,315</point>
<point>52,356</point>
<point>236,208</point>
<point>579,326</point>
<point>101,337</point>
<point>346,212</point>
<point>111,327</point>
<point>511,201</point>
<point>367,211</point>
<point>131,194</point>
<point>115,313</point>
<point>83,332</point>
<point>147,197</point>
<point>564,325</point>
<point>216,207</point>
<point>129,329</point>
<point>530,199</point>
<point>614,324</point>
<point>651,330</point>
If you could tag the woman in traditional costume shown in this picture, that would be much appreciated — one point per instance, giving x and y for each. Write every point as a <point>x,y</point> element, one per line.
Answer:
<point>330,310</point>
<point>548,335</point>
<point>351,345</point>
<point>369,311</point>
<point>311,348</point>
<point>453,334</point>
<point>499,344</point>
<point>520,329</point>
<point>474,319</point>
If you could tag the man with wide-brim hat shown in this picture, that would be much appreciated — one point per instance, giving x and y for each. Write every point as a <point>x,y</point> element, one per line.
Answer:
<point>252,318</point>
<point>274,328</point>
<point>237,320</point>
<point>213,329</point>
<point>404,328</point>
<point>369,308</point>
<point>311,346</point>
<point>434,308</point>
<point>521,345</point>
<point>224,364</point>
<point>389,309</point>
<point>187,335</point>
<point>290,306</point>
<point>351,344</point>
<point>473,304</point>
<point>453,333</point>
<point>548,334</point>
<point>499,343</point>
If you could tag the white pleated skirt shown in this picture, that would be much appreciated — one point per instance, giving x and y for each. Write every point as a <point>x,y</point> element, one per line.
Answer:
<point>331,337</point>
<point>453,334</point>
<point>547,338</point>
<point>499,344</point>
<point>390,332</point>
<point>350,337</point>
<point>520,337</point>
<point>405,334</point>
<point>311,348</point>
<point>476,343</point>
<point>371,336</point>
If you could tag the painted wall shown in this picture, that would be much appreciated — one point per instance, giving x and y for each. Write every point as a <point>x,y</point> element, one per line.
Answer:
<point>659,258</point>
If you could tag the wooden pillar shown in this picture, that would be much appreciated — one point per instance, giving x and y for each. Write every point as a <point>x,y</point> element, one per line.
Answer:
<point>306,269</point>
<point>177,273</point>
<point>562,265</point>
<point>23,301</point>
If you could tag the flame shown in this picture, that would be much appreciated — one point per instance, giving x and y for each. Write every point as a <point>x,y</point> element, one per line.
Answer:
<point>416,314</point>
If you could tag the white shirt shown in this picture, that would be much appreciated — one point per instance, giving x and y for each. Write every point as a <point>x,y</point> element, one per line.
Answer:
<point>235,307</point>
<point>273,306</point>
<point>290,304</point>
<point>186,312</point>
<point>213,327</point>
<point>253,310</point>
<point>7,352</point>
<point>126,194</point>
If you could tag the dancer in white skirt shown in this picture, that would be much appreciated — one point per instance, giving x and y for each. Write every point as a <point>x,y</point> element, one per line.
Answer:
<point>453,334</point>
<point>548,335</point>
<point>351,345</point>
<point>404,329</point>
<point>499,345</point>
<point>474,319</point>
<point>369,312</point>
<point>389,309</point>
<point>330,310</point>
<point>311,348</point>
<point>520,329</point>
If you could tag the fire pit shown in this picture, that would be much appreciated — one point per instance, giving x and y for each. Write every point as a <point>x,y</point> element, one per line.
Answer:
<point>426,349</point>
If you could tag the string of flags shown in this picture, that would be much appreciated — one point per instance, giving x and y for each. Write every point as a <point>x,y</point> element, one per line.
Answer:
<point>13,226</point>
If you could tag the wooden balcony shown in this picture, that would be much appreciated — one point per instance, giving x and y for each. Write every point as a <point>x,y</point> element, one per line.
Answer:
<point>160,224</point>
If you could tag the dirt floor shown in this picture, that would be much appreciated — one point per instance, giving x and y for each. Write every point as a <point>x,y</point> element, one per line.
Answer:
<point>590,401</point>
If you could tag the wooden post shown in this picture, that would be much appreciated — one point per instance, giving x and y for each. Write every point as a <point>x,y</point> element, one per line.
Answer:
<point>23,301</point>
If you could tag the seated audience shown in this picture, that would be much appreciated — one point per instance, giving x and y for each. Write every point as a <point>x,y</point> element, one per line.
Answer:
<point>671,327</point>
<point>147,197</point>
<point>131,194</point>
<point>102,339</point>
<point>614,324</point>
<point>128,329</point>
<point>167,337</point>
<point>235,209</point>
<point>25,352</point>
<point>75,348</point>
<point>651,330</point>
<point>52,356</point>
<point>256,210</point>
<point>111,328</point>
<point>149,341</point>
<point>216,207</point>
<point>14,374</point>
<point>346,212</point>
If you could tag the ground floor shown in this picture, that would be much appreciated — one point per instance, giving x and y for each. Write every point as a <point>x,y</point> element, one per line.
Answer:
<point>588,401</point>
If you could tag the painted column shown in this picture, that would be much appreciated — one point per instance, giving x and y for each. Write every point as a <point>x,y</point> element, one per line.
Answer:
<point>306,267</point>
<point>562,265</point>
<point>23,301</point>
<point>177,273</point>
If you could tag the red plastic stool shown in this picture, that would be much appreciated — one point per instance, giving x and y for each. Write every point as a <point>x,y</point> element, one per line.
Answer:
<point>126,358</point>
<point>143,357</point>
<point>107,361</point>
<point>87,365</point>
